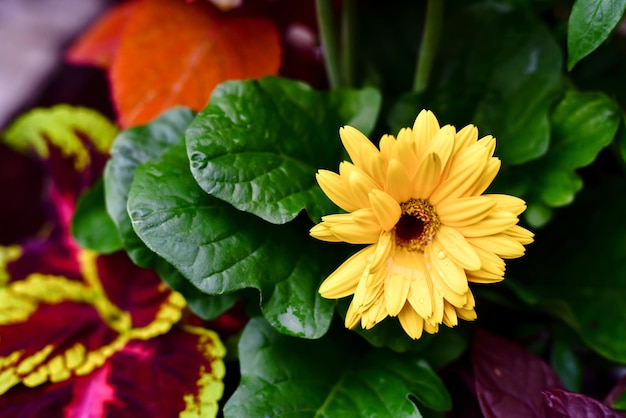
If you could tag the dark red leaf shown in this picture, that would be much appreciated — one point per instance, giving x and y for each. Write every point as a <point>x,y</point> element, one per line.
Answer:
<point>155,378</point>
<point>563,404</point>
<point>509,379</point>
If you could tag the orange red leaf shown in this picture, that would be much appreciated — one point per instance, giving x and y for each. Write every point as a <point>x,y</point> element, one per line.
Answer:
<point>99,44</point>
<point>175,53</point>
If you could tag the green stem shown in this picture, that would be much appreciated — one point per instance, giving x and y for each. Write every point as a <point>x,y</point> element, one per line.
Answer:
<point>348,41</point>
<point>329,38</point>
<point>428,47</point>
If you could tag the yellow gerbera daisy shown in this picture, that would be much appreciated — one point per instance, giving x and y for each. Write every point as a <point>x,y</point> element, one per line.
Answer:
<point>418,203</point>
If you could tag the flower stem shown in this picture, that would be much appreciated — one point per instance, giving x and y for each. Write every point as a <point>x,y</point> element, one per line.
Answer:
<point>428,47</point>
<point>329,40</point>
<point>348,42</point>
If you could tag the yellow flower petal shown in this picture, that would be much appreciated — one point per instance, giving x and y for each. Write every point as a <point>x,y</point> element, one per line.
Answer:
<point>424,128</point>
<point>354,234</point>
<point>482,276</point>
<point>466,314</point>
<point>404,151</point>
<point>398,183</point>
<point>360,184</point>
<point>411,321</point>
<point>386,145</point>
<point>427,176</point>
<point>489,143</point>
<point>386,209</point>
<point>497,221</point>
<point>375,167</point>
<point>465,210</point>
<point>396,291</point>
<point>431,328</point>
<point>334,188</point>
<point>383,250</point>
<point>352,316</point>
<point>357,145</point>
<point>449,315</point>
<point>374,314</point>
<point>522,235</point>
<point>343,281</point>
<point>500,244</point>
<point>465,137</point>
<point>471,302</point>
<point>466,168</point>
<point>365,218</point>
<point>322,232</point>
<point>442,144</point>
<point>490,262</point>
<point>421,291</point>
<point>456,248</point>
<point>448,271</point>
<point>512,204</point>
<point>485,179</point>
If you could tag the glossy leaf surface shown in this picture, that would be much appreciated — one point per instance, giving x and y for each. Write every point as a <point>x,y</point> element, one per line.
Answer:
<point>132,148</point>
<point>221,249</point>
<point>283,376</point>
<point>590,23</point>
<point>258,144</point>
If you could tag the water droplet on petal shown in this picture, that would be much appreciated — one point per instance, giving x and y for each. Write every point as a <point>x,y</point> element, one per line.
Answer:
<point>441,255</point>
<point>421,300</point>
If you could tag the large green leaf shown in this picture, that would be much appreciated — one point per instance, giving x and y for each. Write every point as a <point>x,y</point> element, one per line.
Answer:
<point>330,377</point>
<point>132,148</point>
<point>258,144</point>
<point>500,69</point>
<point>590,23</point>
<point>221,249</point>
<point>576,269</point>
<point>582,125</point>
<point>91,225</point>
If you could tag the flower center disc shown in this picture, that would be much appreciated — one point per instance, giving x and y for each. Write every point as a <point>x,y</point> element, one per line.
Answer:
<point>417,225</point>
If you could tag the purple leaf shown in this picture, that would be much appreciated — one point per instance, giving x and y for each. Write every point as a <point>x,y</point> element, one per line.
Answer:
<point>563,404</point>
<point>509,379</point>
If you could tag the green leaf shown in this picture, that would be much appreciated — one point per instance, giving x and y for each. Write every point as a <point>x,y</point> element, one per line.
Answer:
<point>620,403</point>
<point>258,144</point>
<point>64,126</point>
<point>132,148</point>
<point>500,69</point>
<point>330,377</point>
<point>576,268</point>
<point>91,225</point>
<point>590,23</point>
<point>582,125</point>
<point>221,249</point>
<point>566,365</point>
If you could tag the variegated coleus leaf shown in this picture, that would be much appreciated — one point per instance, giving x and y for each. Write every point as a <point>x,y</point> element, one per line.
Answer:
<point>72,145</point>
<point>82,332</point>
<point>174,374</point>
<point>105,333</point>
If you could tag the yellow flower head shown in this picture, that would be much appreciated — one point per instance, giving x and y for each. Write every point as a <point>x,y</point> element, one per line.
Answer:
<point>418,204</point>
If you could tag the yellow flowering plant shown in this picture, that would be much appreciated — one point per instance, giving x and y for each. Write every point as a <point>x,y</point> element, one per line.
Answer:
<point>418,202</point>
<point>288,212</point>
